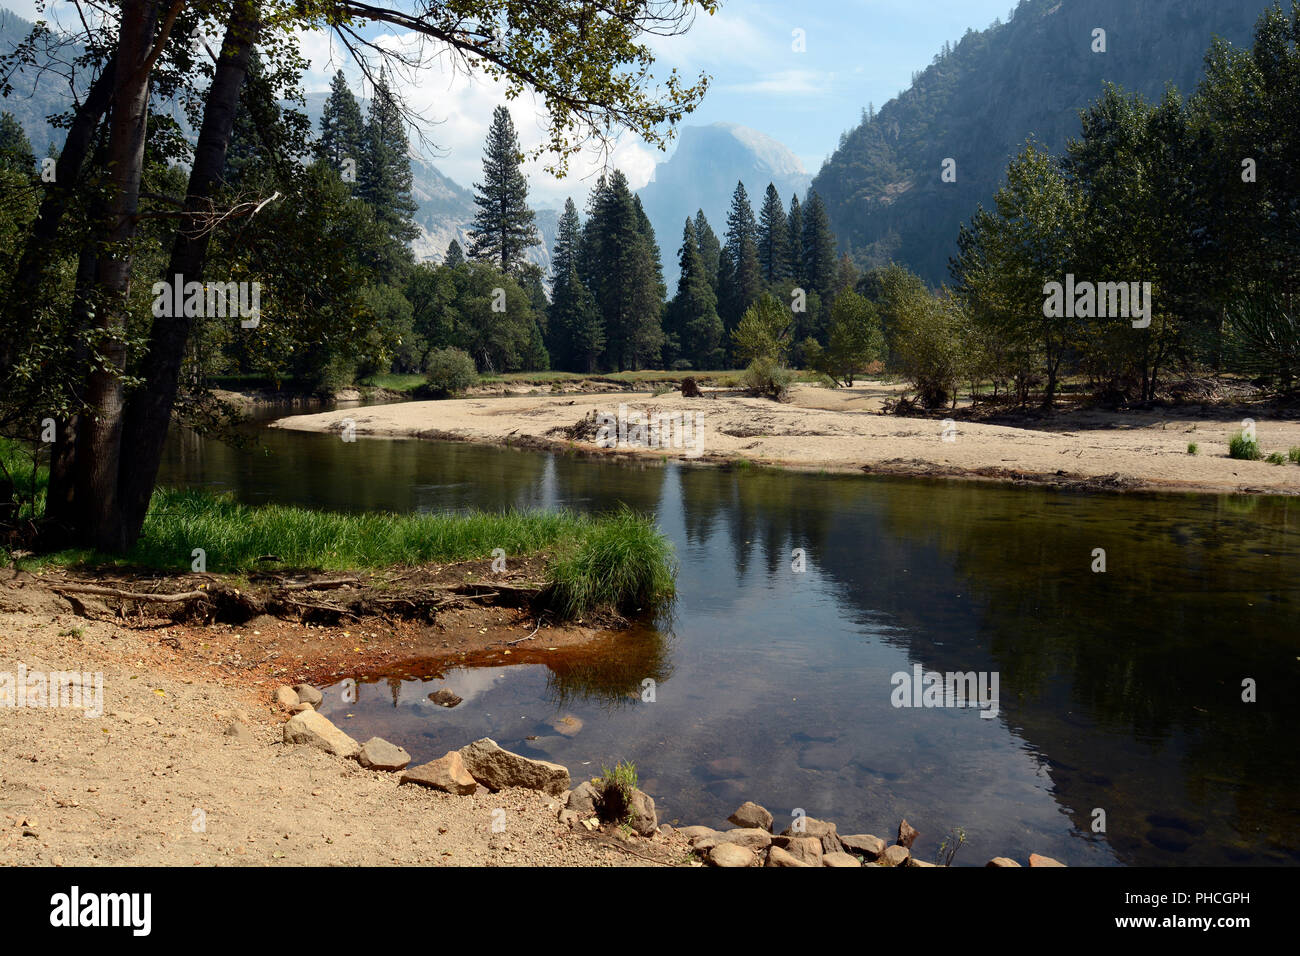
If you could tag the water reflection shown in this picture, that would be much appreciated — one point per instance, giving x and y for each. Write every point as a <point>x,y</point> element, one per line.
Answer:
<point>1119,691</point>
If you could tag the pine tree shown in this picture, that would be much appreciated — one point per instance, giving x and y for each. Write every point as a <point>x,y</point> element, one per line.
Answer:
<point>710,249</point>
<point>342,132</point>
<point>563,313</point>
<point>504,225</point>
<point>740,277</point>
<point>796,241</point>
<point>648,333</point>
<point>455,256</point>
<point>15,149</point>
<point>384,173</point>
<point>693,322</point>
<point>773,238</point>
<point>819,262</point>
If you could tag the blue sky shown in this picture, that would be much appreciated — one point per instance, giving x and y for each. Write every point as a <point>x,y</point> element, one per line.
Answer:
<point>855,52</point>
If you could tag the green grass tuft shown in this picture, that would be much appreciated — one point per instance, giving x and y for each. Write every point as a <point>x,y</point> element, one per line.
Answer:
<point>1193,448</point>
<point>1244,448</point>
<point>1276,458</point>
<point>623,563</point>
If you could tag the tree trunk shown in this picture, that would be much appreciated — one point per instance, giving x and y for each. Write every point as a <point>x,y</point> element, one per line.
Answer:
<point>99,446</point>
<point>149,413</point>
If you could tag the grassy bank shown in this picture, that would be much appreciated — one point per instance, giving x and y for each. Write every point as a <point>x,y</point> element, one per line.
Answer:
<point>617,561</point>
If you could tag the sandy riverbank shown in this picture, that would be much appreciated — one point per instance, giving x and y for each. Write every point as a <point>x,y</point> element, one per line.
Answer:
<point>846,430</point>
<point>187,724</point>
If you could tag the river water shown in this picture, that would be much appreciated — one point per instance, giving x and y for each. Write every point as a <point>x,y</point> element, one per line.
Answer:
<point>1120,736</point>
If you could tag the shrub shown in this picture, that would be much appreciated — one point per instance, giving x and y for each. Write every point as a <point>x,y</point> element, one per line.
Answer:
<point>1294,454</point>
<point>1243,447</point>
<point>451,371</point>
<point>1193,448</point>
<point>765,377</point>
<point>1276,458</point>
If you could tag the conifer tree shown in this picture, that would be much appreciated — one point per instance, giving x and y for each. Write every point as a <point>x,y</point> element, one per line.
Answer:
<point>740,277</point>
<point>819,261</point>
<point>15,149</point>
<point>692,317</point>
<point>384,173</point>
<point>773,238</point>
<point>504,227</point>
<point>796,240</point>
<point>706,240</point>
<point>342,132</point>
<point>455,255</point>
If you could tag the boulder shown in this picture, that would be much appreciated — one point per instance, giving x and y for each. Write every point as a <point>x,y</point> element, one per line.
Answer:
<point>806,850</point>
<point>895,856</point>
<point>863,844</point>
<point>286,698</point>
<point>301,708</point>
<point>447,774</point>
<point>751,815</point>
<point>569,817</point>
<point>309,695</point>
<point>378,754</point>
<point>694,833</point>
<point>314,730</point>
<point>731,855</point>
<point>809,827</point>
<point>752,838</point>
<point>642,817</point>
<point>839,859</point>
<point>583,798</point>
<point>1037,860</point>
<point>1001,861</point>
<point>916,862</point>
<point>779,857</point>
<point>498,769</point>
<point>907,834</point>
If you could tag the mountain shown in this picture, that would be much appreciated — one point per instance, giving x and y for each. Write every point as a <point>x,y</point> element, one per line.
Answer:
<point>32,99</point>
<point>978,102</point>
<point>702,174</point>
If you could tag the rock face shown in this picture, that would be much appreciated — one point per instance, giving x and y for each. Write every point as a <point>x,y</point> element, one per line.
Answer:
<point>731,855</point>
<point>309,695</point>
<point>447,774</point>
<point>498,769</point>
<point>863,844</point>
<point>312,729</point>
<point>907,834</point>
<point>378,754</point>
<point>751,815</point>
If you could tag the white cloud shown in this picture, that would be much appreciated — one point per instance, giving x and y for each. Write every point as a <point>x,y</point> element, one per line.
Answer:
<point>803,83</point>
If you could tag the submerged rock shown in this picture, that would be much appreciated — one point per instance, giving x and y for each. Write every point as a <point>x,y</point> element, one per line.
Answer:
<point>445,698</point>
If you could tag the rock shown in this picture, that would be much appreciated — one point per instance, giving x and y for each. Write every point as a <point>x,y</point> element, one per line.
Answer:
<point>907,835</point>
<point>916,862</point>
<point>779,857</point>
<point>694,833</point>
<point>569,725</point>
<point>811,827</point>
<point>1001,861</point>
<point>301,708</point>
<point>731,855</point>
<point>863,844</point>
<point>447,773</point>
<point>583,798</point>
<point>895,856</point>
<point>724,767</point>
<point>286,698</point>
<point>569,817</point>
<point>806,850</point>
<point>309,695</point>
<point>312,729</point>
<point>839,859</point>
<point>752,838</point>
<point>241,733</point>
<point>690,388</point>
<point>1037,860</point>
<point>378,754</point>
<point>642,817</point>
<point>498,769</point>
<point>751,815</point>
<point>445,698</point>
